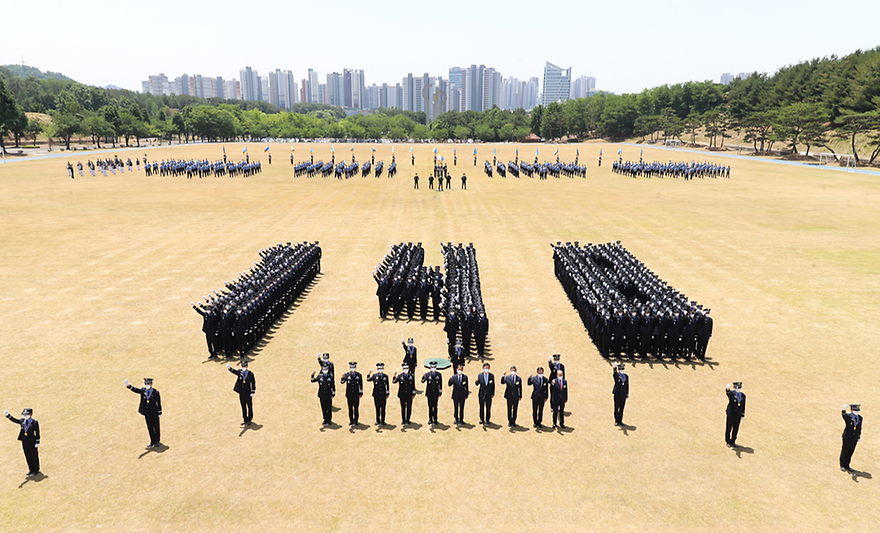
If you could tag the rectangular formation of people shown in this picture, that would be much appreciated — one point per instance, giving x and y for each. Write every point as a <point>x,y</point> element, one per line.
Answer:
<point>626,308</point>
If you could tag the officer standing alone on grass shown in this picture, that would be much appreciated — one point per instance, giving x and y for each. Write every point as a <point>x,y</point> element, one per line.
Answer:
<point>29,435</point>
<point>620,392</point>
<point>736,411</point>
<point>852,433</point>
<point>246,387</point>
<point>150,407</point>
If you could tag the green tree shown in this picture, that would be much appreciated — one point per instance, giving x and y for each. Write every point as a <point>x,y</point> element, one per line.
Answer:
<point>65,126</point>
<point>801,119</point>
<point>34,128</point>
<point>537,119</point>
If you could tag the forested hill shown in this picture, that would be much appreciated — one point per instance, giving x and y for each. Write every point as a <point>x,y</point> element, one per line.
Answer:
<point>24,71</point>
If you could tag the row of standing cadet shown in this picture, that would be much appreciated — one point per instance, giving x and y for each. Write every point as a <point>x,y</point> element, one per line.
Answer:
<point>555,388</point>
<point>671,169</point>
<point>236,318</point>
<point>403,283</point>
<point>465,311</point>
<point>626,308</point>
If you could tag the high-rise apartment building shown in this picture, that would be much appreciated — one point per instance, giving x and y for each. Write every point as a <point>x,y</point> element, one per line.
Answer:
<point>583,86</point>
<point>251,89</point>
<point>557,84</point>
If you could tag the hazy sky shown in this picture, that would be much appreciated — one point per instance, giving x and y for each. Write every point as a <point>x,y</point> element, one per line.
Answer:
<point>627,45</point>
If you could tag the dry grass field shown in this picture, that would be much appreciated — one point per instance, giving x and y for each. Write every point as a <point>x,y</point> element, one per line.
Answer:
<point>98,275</point>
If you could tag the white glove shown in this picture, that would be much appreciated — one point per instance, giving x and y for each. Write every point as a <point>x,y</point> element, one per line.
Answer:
<point>36,445</point>
<point>5,412</point>
<point>252,395</point>
<point>845,406</point>
<point>228,365</point>
<point>125,381</point>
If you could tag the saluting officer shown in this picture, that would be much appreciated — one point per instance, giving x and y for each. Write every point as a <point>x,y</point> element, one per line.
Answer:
<point>381,391</point>
<point>245,386</point>
<point>513,394</point>
<point>324,359</point>
<point>554,363</point>
<point>558,399</point>
<point>410,353</point>
<point>486,382</point>
<point>29,435</point>
<point>540,394</point>
<point>460,392</point>
<point>150,407</point>
<point>620,392</point>
<point>406,392</point>
<point>433,390</point>
<point>354,390</point>
<point>326,392</point>
<point>736,411</point>
<point>852,433</point>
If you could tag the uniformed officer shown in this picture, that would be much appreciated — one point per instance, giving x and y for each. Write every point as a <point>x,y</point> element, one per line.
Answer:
<point>416,181</point>
<point>464,181</point>
<point>246,387</point>
<point>513,394</point>
<point>852,433</point>
<point>736,411</point>
<point>354,390</point>
<point>554,363</point>
<point>460,392</point>
<point>381,391</point>
<point>29,435</point>
<point>406,392</point>
<point>433,390</point>
<point>326,392</point>
<point>485,393</point>
<point>620,392</point>
<point>540,395</point>
<point>410,353</point>
<point>324,359</point>
<point>150,407</point>
<point>558,399</point>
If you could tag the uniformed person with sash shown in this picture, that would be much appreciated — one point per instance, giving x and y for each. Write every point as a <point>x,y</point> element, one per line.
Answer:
<point>29,435</point>
<point>246,387</point>
<point>433,381</point>
<point>151,407</point>
<point>852,433</point>
<point>736,411</point>
<point>620,392</point>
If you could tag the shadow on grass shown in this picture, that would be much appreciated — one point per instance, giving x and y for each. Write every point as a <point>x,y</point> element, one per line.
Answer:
<point>856,475</point>
<point>518,429</point>
<point>437,427</point>
<point>389,427</point>
<point>250,427</point>
<point>358,427</point>
<point>626,428</point>
<point>743,449</point>
<point>332,425</point>
<point>693,364</point>
<point>159,448</point>
<point>41,476</point>
<point>411,426</point>
<point>464,425</point>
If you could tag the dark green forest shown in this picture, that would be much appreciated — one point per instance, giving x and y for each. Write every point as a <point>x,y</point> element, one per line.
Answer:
<point>794,110</point>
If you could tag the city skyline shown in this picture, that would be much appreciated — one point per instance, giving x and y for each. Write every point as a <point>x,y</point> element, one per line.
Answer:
<point>614,42</point>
